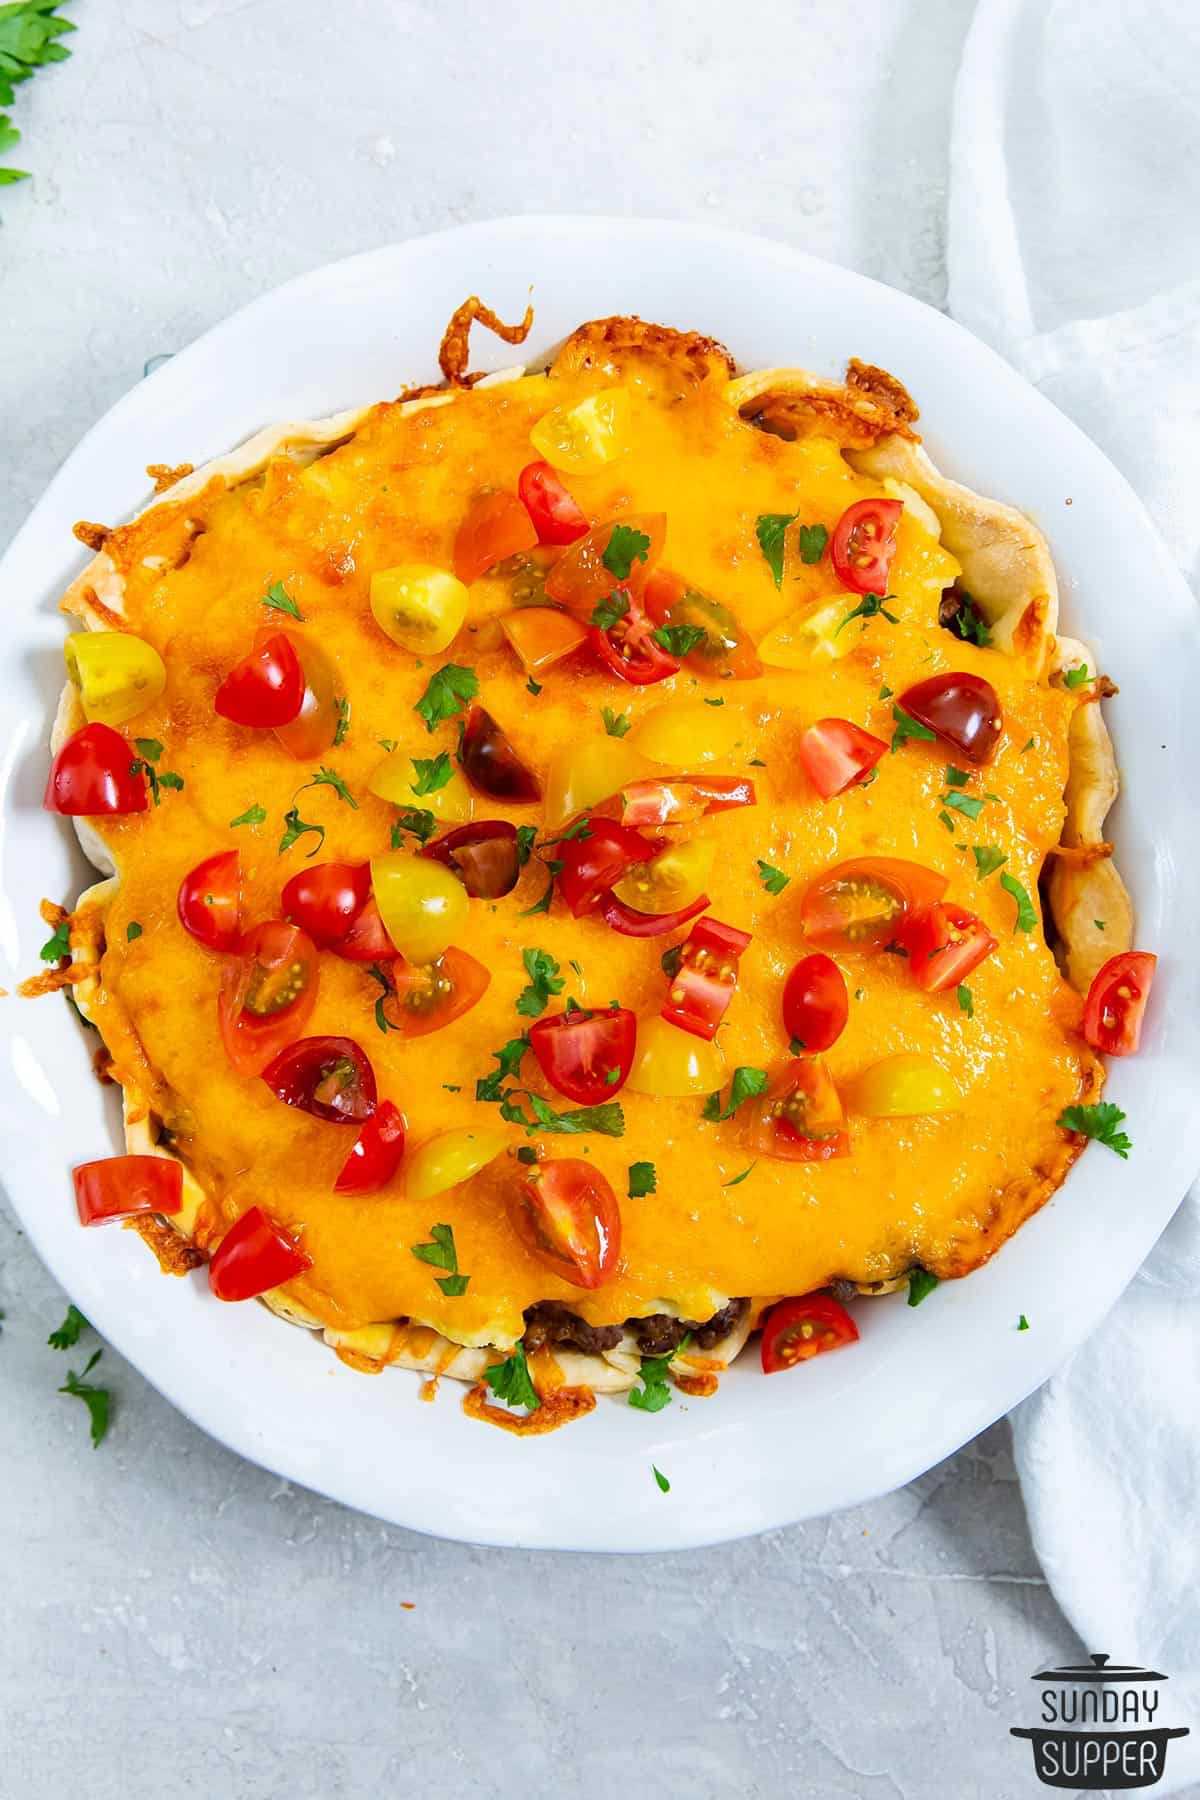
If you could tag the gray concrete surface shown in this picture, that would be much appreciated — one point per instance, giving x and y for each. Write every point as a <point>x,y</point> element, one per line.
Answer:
<point>178,1622</point>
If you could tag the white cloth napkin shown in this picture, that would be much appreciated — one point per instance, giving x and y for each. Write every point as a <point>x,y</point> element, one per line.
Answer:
<point>1074,249</point>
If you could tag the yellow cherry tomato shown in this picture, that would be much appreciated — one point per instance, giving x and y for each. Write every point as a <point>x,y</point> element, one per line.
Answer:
<point>450,1159</point>
<point>803,635</point>
<point>424,906</point>
<point>589,772</point>
<point>421,607</point>
<point>674,878</point>
<point>904,1086</point>
<point>395,779</point>
<point>674,1063</point>
<point>118,675</point>
<point>688,733</point>
<point>586,436</point>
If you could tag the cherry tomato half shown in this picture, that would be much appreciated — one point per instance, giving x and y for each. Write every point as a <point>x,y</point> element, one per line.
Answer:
<point>210,901</point>
<point>266,688</point>
<point>367,939</point>
<point>864,543</point>
<point>679,799</point>
<point>861,905</point>
<point>725,651</point>
<point>586,1055</point>
<point>815,1007</point>
<point>490,763</point>
<point>123,1187</point>
<point>377,1153</point>
<point>799,1118</point>
<point>1116,1002</point>
<point>581,577</point>
<point>254,1256</point>
<point>497,526</point>
<point>484,856</point>
<point>700,990</point>
<point>267,994</point>
<point>631,923</point>
<point>94,774</point>
<point>944,945</point>
<point>314,728</point>
<point>836,754</point>
<point>797,1330</point>
<point>593,863</point>
<point>962,709</point>
<point>628,647</point>
<point>325,899</point>
<point>542,635</point>
<point>556,517</point>
<point>329,1077</point>
<point>566,1214</point>
<point>426,997</point>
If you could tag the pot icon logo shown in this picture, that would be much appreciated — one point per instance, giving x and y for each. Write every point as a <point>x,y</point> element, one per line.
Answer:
<point>1099,1727</point>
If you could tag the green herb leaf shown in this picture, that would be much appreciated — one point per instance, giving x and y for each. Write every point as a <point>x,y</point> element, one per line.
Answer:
<point>906,728</point>
<point>67,1335</point>
<point>1022,1323</point>
<point>771,529</point>
<point>511,1381</point>
<point>1098,1122</point>
<point>920,1285</point>
<point>1028,746</point>
<point>988,858</point>
<point>813,539</point>
<point>544,980</point>
<point>441,1254</point>
<point>98,1400</point>
<point>885,692</point>
<point>774,880</point>
<point>133,931</point>
<point>746,1083</point>
<point>148,748</point>
<point>1099,924</point>
<point>330,778</point>
<point>969,624</point>
<point>534,687</point>
<point>606,612</point>
<point>295,828</point>
<point>970,805</point>
<point>414,819</point>
<point>606,1120</point>
<point>58,946</point>
<point>671,961</point>
<point>625,547</point>
<point>664,1486</point>
<point>432,772</point>
<point>737,1180</point>
<point>448,690</point>
<point>254,815</point>
<point>869,607</point>
<point>278,598</point>
<point>343,719</point>
<point>509,1056</point>
<point>956,778</point>
<point>643,1179</point>
<point>655,1393</point>
<point>1075,678</point>
<point>679,640</point>
<point>615,724</point>
<point>543,905</point>
<point>966,999</point>
<point>382,1022</point>
<point>1026,917</point>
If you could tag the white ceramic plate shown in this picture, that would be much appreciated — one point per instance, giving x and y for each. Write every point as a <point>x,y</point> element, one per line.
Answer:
<point>763,1452</point>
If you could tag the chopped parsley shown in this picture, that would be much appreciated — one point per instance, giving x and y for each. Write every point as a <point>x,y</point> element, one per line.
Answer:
<point>432,772</point>
<point>1022,1323</point>
<point>509,1057</point>
<point>534,687</point>
<point>511,1381</point>
<point>671,960</point>
<point>966,999</point>
<point>813,539</point>
<point>615,724</point>
<point>254,815</point>
<point>1099,924</point>
<point>343,719</point>
<point>746,1083</point>
<point>606,612</point>
<point>388,744</point>
<point>679,640</point>
<point>526,838</point>
<point>133,931</point>
<point>543,905</point>
<point>330,778</point>
<point>737,1180</point>
<point>1075,678</point>
<point>625,546</point>
<point>98,1400</point>
<point>988,858</point>
<point>770,530</point>
<point>382,1022</point>
<point>448,690</point>
<point>295,828</point>
<point>868,608</point>
<point>416,819</point>
<point>67,1335</point>
<point>544,980</point>
<point>654,1392</point>
<point>643,1179</point>
<point>664,1486</point>
<point>970,805</point>
<point>278,598</point>
<point>907,727</point>
<point>969,624</point>
<point>717,702</point>
<point>1100,1122</point>
<point>796,1046</point>
<point>441,1254</point>
<point>1028,746</point>
<point>956,778</point>
<point>607,1120</point>
<point>1026,917</point>
<point>774,880</point>
<point>149,751</point>
<point>920,1285</point>
<point>885,692</point>
<point>58,946</point>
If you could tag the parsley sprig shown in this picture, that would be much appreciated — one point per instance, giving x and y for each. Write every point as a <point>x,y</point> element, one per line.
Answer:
<point>98,1400</point>
<point>544,981</point>
<point>746,1083</point>
<point>29,35</point>
<point>149,753</point>
<point>511,1381</point>
<point>871,606</point>
<point>447,691</point>
<point>1101,1122</point>
<point>442,1254</point>
<point>654,1392</point>
<point>67,1334</point>
<point>279,600</point>
<point>771,530</point>
<point>625,546</point>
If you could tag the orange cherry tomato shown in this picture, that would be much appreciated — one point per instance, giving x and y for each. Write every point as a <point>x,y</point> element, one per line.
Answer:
<point>566,1214</point>
<point>838,754</point>
<point>314,728</point>
<point>797,1330</point>
<point>267,994</point>
<point>542,635</point>
<point>861,905</point>
<point>209,902</point>
<point>377,1153</point>
<point>95,774</point>
<point>556,517</point>
<point>581,578</point>
<point>266,689</point>
<point>1116,1002</point>
<point>497,526</point>
<point>799,1118</point>
<point>254,1256</point>
<point>680,799</point>
<point>815,1007</point>
<point>124,1187</point>
<point>864,543</point>
<point>725,651</point>
<point>944,945</point>
<point>425,997</point>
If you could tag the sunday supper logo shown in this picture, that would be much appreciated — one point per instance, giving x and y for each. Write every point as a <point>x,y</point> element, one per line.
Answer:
<point>1099,1727</point>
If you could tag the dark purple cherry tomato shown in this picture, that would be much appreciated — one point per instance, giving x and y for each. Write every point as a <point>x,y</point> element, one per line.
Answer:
<point>329,1077</point>
<point>484,856</point>
<point>491,764</point>
<point>962,709</point>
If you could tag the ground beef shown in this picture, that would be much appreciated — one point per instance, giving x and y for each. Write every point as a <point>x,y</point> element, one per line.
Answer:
<point>549,1322</point>
<point>658,1334</point>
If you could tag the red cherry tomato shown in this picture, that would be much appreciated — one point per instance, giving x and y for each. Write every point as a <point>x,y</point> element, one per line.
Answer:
<point>799,1118</point>
<point>581,577</point>
<point>815,1007</point>
<point>631,923</point>
<point>797,1330</point>
<point>566,1214</point>
<point>962,709</point>
<point>681,798</point>
<point>861,905</point>
<point>490,763</point>
<point>329,1077</point>
<point>864,543</point>
<point>594,863</point>
<point>725,650</point>
<point>427,997</point>
<point>123,1187</point>
<point>267,994</point>
<point>325,899</point>
<point>254,1256</point>
<point>556,517</point>
<point>586,1055</point>
<point>94,774</point>
<point>314,728</point>
<point>700,990</point>
<point>496,527</point>
<point>944,945</point>
<point>377,1153</point>
<point>628,648</point>
<point>367,940</point>
<point>266,688</point>
<point>210,901</point>
<point>483,855</point>
<point>836,754</point>
<point>1116,1002</point>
